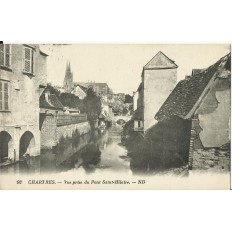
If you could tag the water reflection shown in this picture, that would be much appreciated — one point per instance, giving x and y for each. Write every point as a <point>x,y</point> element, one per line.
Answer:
<point>103,152</point>
<point>98,151</point>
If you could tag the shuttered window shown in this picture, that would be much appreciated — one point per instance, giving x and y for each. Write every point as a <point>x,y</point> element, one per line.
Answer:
<point>4,95</point>
<point>5,55</point>
<point>28,62</point>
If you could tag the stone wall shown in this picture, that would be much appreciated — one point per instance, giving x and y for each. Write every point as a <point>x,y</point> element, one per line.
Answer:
<point>48,130</point>
<point>67,130</point>
<point>211,160</point>
<point>51,132</point>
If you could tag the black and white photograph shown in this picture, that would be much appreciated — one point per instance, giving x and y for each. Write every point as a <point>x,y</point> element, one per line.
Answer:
<point>115,116</point>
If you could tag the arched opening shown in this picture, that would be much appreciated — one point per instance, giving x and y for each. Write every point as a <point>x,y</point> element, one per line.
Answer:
<point>6,146</point>
<point>121,121</point>
<point>27,144</point>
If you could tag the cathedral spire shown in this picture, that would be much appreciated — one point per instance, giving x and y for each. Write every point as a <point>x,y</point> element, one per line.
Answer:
<point>66,68</point>
<point>68,79</point>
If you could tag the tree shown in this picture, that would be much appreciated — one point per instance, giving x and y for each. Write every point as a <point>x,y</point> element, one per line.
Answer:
<point>92,105</point>
<point>70,100</point>
<point>128,98</point>
<point>118,106</point>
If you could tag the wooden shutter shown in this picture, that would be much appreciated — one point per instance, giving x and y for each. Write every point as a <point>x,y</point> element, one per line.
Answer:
<point>1,98</point>
<point>2,54</point>
<point>32,61</point>
<point>7,55</point>
<point>6,96</point>
<point>27,60</point>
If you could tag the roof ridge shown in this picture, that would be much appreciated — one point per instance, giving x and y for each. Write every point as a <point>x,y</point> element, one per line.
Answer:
<point>158,53</point>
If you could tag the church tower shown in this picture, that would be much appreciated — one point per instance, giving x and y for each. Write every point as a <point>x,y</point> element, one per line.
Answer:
<point>68,79</point>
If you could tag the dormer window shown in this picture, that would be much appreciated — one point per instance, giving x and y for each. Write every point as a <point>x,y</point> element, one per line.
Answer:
<point>5,55</point>
<point>28,60</point>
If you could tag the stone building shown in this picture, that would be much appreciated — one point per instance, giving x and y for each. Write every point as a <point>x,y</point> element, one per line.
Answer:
<point>159,77</point>
<point>22,80</point>
<point>79,91</point>
<point>101,89</point>
<point>202,102</point>
<point>50,107</point>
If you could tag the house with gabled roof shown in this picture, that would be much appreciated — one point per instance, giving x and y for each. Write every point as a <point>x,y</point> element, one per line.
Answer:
<point>101,89</point>
<point>79,91</point>
<point>159,77</point>
<point>203,101</point>
<point>49,102</point>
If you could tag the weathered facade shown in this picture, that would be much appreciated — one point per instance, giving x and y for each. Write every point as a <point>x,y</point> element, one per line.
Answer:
<point>22,79</point>
<point>204,100</point>
<point>50,107</point>
<point>159,77</point>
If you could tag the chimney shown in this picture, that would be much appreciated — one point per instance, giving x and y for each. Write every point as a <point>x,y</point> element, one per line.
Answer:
<point>47,95</point>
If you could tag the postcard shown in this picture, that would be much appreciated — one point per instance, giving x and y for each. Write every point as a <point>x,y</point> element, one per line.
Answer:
<point>115,116</point>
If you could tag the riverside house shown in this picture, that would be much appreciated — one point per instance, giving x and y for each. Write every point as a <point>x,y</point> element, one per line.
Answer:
<point>23,77</point>
<point>201,105</point>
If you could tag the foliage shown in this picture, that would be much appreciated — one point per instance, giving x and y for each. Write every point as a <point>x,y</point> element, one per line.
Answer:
<point>92,105</point>
<point>117,106</point>
<point>128,98</point>
<point>164,145</point>
<point>70,100</point>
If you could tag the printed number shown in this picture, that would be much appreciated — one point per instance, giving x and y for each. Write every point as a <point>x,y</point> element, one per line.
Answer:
<point>19,182</point>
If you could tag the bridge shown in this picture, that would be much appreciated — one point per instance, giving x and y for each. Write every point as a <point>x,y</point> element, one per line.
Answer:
<point>121,117</point>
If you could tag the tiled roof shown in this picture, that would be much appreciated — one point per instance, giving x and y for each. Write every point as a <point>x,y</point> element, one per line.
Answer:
<point>187,92</point>
<point>53,102</point>
<point>196,71</point>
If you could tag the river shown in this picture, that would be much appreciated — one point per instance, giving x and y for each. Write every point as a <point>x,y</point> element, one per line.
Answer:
<point>98,152</point>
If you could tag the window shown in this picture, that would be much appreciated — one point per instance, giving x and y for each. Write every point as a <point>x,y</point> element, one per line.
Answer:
<point>4,95</point>
<point>28,60</point>
<point>5,55</point>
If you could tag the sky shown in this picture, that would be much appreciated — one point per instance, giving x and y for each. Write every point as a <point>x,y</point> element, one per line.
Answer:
<point>120,65</point>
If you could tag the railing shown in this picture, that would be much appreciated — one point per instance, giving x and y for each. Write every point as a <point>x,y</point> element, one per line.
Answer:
<point>71,119</point>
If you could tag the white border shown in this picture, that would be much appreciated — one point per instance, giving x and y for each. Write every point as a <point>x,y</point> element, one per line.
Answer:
<point>118,21</point>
